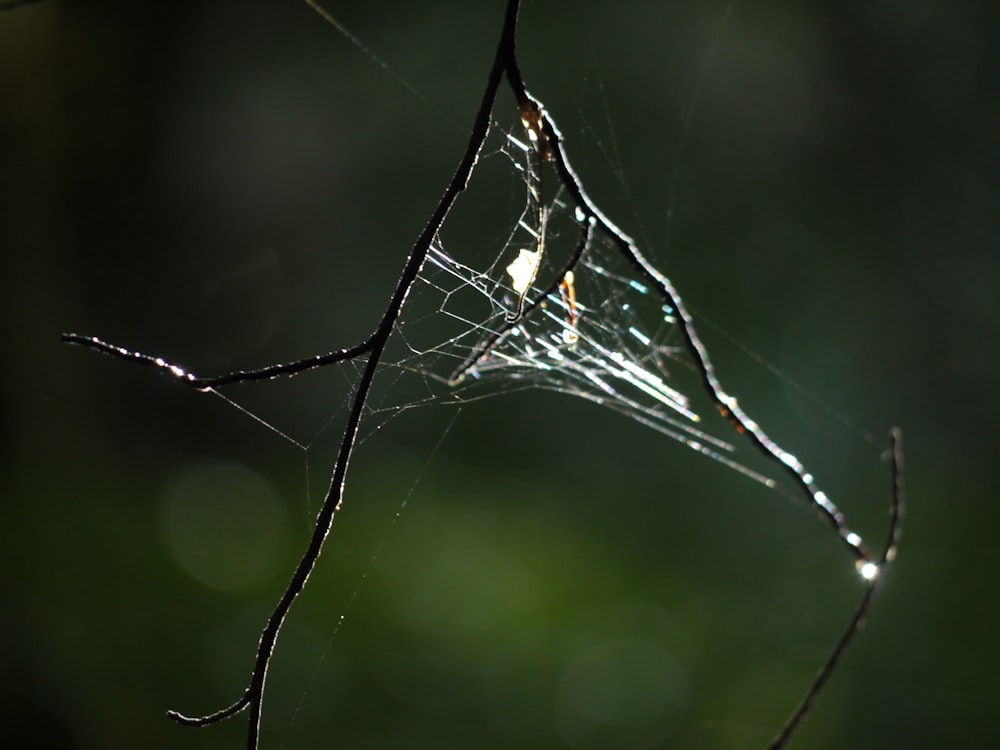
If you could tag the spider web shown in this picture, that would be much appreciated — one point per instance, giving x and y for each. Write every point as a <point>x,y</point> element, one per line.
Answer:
<point>536,297</point>
<point>538,293</point>
<point>468,334</point>
<point>603,337</point>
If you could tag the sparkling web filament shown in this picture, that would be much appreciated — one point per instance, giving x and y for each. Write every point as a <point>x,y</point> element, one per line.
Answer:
<point>583,312</point>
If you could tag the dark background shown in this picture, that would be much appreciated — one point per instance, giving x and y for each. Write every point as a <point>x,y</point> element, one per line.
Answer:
<point>230,184</point>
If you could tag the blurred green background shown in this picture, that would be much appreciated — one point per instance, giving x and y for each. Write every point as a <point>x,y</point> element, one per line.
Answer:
<point>230,184</point>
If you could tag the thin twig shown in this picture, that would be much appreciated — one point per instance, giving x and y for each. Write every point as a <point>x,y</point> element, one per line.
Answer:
<point>551,144</point>
<point>181,375</point>
<point>871,568</point>
<point>254,696</point>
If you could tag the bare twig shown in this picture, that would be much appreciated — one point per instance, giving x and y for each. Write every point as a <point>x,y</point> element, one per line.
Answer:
<point>550,147</point>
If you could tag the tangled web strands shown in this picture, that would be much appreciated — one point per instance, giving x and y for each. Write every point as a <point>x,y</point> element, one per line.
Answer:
<point>593,331</point>
<point>571,304</point>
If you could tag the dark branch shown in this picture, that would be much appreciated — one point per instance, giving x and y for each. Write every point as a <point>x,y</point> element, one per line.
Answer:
<point>204,721</point>
<point>870,567</point>
<point>255,691</point>
<point>181,375</point>
<point>550,147</point>
<point>888,554</point>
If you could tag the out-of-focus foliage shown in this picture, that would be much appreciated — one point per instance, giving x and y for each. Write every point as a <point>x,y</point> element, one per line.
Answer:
<point>230,184</point>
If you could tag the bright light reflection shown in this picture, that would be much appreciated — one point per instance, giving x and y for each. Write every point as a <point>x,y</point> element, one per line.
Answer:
<point>868,571</point>
<point>824,501</point>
